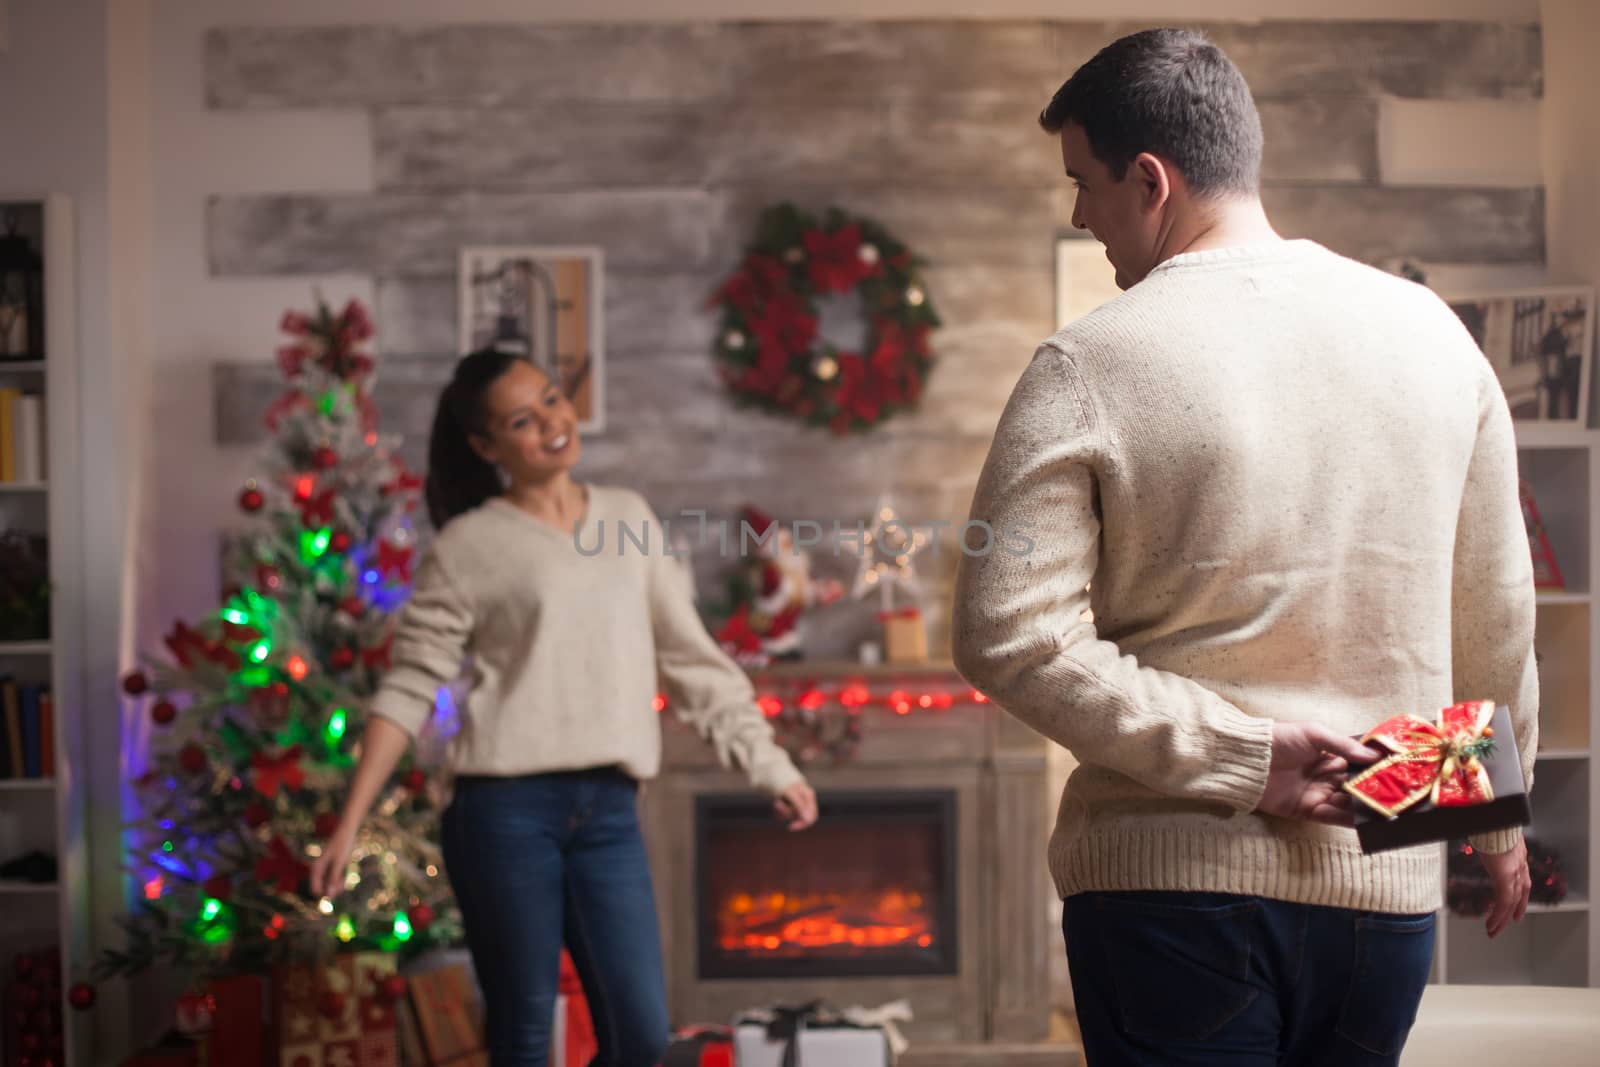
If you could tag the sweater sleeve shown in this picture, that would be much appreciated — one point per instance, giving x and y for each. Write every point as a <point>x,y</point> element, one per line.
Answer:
<point>430,640</point>
<point>1019,633</point>
<point>704,686</point>
<point>1492,599</point>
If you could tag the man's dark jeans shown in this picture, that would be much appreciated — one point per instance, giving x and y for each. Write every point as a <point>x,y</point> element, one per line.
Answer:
<point>545,859</point>
<point>1219,980</point>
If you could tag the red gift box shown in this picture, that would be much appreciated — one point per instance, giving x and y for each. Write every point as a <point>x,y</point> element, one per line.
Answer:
<point>702,1046</point>
<point>338,1014</point>
<point>238,1033</point>
<point>580,1044</point>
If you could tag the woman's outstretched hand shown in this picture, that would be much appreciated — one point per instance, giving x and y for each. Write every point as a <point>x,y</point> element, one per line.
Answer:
<point>327,871</point>
<point>797,806</point>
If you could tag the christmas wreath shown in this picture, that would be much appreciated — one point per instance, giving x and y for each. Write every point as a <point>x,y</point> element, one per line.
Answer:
<point>767,348</point>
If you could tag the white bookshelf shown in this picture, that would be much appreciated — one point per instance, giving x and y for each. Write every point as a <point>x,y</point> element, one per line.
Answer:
<point>1555,944</point>
<point>47,814</point>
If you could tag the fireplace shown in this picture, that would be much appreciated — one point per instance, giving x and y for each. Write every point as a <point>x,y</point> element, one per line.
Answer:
<point>924,879</point>
<point>871,890</point>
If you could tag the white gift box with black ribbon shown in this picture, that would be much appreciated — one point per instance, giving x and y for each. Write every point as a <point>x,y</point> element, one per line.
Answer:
<point>811,1035</point>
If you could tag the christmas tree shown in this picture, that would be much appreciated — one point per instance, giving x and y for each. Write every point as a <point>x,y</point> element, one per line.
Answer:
<point>258,706</point>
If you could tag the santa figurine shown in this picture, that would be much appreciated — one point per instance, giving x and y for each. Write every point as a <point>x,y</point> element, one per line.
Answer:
<point>765,625</point>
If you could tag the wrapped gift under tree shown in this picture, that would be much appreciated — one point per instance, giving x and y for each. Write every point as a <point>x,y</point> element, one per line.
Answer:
<point>339,1014</point>
<point>812,1035</point>
<point>1458,777</point>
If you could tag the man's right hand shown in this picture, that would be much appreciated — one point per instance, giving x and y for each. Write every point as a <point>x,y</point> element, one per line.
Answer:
<point>1310,764</point>
<point>1508,871</point>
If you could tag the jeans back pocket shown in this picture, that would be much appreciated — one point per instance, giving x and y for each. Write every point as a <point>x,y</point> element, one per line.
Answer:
<point>1179,963</point>
<point>1393,956</point>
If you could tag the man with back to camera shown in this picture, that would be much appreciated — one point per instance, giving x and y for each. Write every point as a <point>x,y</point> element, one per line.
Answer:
<point>1293,482</point>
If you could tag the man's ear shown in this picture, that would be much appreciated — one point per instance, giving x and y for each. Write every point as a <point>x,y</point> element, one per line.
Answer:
<point>1155,178</point>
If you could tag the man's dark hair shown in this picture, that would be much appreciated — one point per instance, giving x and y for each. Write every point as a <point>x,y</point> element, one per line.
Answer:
<point>1171,93</point>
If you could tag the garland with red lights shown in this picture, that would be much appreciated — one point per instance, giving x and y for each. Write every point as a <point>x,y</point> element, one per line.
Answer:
<point>816,722</point>
<point>767,348</point>
<point>1470,893</point>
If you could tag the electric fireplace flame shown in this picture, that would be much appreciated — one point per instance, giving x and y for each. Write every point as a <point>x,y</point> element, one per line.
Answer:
<point>775,924</point>
<point>869,891</point>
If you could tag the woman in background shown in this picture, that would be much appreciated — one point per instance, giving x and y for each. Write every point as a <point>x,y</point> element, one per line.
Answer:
<point>541,840</point>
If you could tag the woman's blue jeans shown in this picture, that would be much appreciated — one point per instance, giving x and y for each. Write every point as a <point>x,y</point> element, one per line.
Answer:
<point>551,859</point>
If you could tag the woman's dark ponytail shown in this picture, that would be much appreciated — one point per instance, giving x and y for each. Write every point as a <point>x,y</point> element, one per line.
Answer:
<point>458,478</point>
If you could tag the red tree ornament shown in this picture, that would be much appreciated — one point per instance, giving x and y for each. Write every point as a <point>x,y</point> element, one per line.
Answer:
<point>340,542</point>
<point>134,683</point>
<point>415,780</point>
<point>421,918</point>
<point>268,577</point>
<point>324,458</point>
<point>342,658</point>
<point>192,758</point>
<point>164,712</point>
<point>81,996</point>
<point>251,499</point>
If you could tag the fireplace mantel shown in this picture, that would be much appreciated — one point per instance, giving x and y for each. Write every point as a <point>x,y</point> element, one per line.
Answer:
<point>994,766</point>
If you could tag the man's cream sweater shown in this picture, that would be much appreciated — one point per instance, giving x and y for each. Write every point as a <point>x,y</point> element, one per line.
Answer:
<point>565,645</point>
<point>1289,484</point>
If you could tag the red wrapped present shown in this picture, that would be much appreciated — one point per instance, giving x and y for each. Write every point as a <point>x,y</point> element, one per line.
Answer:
<point>338,1014</point>
<point>1452,778</point>
<point>700,1046</point>
<point>238,1031</point>
<point>578,1044</point>
<point>447,1015</point>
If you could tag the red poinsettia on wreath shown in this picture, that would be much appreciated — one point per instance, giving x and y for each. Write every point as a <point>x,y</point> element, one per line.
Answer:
<point>768,349</point>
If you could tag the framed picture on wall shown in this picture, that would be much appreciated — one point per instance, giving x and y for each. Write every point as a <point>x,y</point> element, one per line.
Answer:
<point>1541,344</point>
<point>1085,278</point>
<point>546,303</point>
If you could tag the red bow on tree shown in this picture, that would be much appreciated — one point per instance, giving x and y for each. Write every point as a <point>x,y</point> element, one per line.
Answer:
<point>318,510</point>
<point>281,868</point>
<point>1440,762</point>
<point>394,560</point>
<point>378,655</point>
<point>287,403</point>
<point>188,645</point>
<point>404,479</point>
<point>268,773</point>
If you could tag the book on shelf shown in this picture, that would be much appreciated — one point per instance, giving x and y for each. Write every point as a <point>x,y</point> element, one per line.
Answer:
<point>27,730</point>
<point>21,436</point>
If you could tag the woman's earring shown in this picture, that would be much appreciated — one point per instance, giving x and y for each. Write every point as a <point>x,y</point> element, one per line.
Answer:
<point>504,476</point>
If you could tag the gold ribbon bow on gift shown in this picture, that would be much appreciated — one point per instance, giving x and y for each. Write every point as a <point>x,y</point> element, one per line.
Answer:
<point>1440,762</point>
